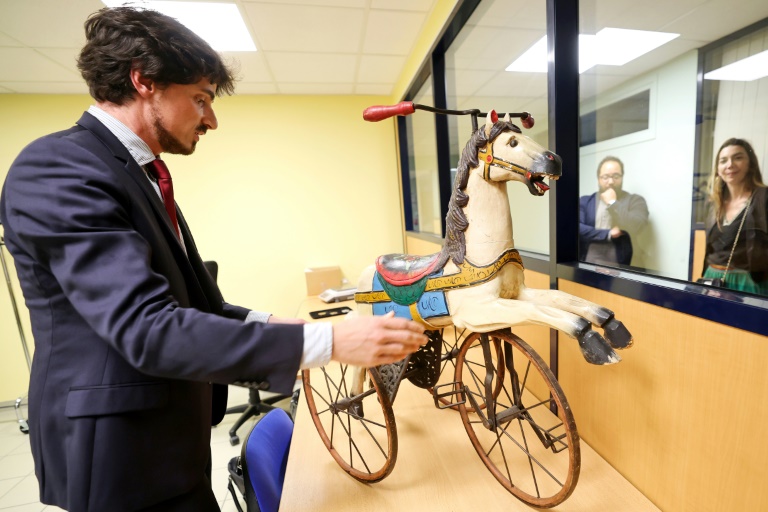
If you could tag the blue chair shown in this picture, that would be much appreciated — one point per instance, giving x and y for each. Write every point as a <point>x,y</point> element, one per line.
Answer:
<point>259,471</point>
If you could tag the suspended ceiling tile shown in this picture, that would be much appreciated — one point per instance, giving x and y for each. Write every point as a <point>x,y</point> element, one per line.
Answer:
<point>242,88</point>
<point>312,68</point>
<point>491,48</point>
<point>647,15</point>
<point>360,4</point>
<point>6,40</point>
<point>374,89</point>
<point>465,84</point>
<point>27,65</point>
<point>48,87</point>
<point>309,88</point>
<point>249,66</point>
<point>714,20</point>
<point>292,28</point>
<point>379,69</point>
<point>391,32</point>
<point>510,14</point>
<point>65,57</point>
<point>515,84</point>
<point>403,5</point>
<point>47,23</point>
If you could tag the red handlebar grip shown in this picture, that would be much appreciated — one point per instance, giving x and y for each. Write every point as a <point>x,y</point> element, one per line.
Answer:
<point>379,112</point>
<point>528,122</point>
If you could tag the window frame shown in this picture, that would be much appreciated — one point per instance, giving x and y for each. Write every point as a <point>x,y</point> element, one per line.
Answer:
<point>747,312</point>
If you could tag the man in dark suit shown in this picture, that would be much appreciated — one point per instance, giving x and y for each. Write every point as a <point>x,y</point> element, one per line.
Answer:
<point>610,218</point>
<point>130,329</point>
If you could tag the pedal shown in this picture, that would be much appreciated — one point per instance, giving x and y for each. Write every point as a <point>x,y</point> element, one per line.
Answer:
<point>450,396</point>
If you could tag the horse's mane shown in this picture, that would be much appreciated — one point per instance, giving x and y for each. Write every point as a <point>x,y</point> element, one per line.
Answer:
<point>456,222</point>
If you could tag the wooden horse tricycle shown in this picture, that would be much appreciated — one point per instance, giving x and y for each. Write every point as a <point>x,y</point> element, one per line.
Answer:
<point>468,296</point>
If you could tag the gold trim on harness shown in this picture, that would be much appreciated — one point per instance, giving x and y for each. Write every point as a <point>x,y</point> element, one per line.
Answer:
<point>486,156</point>
<point>468,275</point>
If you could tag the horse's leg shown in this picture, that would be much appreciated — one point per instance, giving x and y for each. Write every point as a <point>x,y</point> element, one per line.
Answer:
<point>485,316</point>
<point>615,332</point>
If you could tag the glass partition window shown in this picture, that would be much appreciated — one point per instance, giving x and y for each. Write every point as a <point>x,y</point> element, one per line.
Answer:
<point>422,166</point>
<point>642,108</point>
<point>734,103</point>
<point>476,78</point>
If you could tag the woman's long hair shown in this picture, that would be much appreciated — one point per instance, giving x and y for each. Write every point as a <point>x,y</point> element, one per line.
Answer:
<point>719,191</point>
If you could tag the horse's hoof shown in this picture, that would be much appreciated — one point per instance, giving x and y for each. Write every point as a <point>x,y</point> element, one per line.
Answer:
<point>595,349</point>
<point>617,335</point>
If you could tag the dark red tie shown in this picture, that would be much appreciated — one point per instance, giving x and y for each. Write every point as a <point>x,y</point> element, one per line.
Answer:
<point>160,171</point>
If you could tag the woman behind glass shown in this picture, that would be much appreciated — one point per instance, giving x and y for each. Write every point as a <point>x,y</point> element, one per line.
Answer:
<point>738,190</point>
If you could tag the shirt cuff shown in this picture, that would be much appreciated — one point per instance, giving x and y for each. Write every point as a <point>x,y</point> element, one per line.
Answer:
<point>258,316</point>
<point>318,345</point>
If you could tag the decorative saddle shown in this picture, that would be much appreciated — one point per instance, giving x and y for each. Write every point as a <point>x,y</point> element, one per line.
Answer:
<point>405,269</point>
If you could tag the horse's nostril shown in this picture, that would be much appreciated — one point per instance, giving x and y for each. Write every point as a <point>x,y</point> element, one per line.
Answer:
<point>550,156</point>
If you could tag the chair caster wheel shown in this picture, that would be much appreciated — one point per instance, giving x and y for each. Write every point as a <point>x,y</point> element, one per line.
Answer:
<point>234,440</point>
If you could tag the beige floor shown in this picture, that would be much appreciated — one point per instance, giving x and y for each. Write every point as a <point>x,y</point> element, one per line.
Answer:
<point>18,485</point>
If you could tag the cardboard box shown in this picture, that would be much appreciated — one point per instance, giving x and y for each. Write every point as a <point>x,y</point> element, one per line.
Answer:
<point>320,279</point>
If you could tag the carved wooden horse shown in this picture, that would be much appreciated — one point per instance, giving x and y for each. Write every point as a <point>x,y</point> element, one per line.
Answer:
<point>477,281</point>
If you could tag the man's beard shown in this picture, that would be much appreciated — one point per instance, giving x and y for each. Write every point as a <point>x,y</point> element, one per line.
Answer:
<point>171,144</point>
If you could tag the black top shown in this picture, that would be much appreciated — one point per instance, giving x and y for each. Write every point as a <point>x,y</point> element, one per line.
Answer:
<point>751,252</point>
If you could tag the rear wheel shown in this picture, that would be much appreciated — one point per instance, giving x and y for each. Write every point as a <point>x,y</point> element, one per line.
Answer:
<point>525,434</point>
<point>357,427</point>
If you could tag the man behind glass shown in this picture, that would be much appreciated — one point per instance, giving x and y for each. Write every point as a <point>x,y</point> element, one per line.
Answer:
<point>609,218</point>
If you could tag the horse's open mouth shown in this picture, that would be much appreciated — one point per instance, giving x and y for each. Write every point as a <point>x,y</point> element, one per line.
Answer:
<point>536,183</point>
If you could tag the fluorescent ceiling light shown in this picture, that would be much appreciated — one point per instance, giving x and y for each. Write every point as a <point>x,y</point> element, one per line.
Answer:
<point>219,24</point>
<point>744,70</point>
<point>609,47</point>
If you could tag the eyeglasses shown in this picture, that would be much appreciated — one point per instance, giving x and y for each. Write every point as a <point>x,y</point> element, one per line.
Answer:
<point>614,177</point>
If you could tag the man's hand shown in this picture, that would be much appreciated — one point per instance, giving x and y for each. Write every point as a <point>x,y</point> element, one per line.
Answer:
<point>615,232</point>
<point>277,320</point>
<point>373,340</point>
<point>608,196</point>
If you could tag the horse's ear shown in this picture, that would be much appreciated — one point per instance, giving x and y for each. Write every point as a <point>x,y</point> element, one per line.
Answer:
<point>490,120</point>
<point>506,117</point>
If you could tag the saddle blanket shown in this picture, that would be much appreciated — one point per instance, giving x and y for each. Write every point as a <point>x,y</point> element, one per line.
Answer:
<point>429,305</point>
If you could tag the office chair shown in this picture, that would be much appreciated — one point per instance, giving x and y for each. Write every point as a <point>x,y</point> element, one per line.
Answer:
<point>256,405</point>
<point>259,471</point>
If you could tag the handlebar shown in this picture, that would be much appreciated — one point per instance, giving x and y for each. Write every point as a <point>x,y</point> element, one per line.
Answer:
<point>380,112</point>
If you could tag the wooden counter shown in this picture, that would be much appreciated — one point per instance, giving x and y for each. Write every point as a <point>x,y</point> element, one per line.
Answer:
<point>436,469</point>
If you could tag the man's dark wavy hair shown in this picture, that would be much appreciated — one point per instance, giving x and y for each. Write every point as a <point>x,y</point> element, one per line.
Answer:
<point>123,38</point>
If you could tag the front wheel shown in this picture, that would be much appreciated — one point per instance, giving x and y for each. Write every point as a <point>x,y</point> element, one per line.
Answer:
<point>525,434</point>
<point>357,426</point>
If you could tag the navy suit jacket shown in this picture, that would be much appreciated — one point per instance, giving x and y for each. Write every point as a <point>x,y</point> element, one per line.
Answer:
<point>129,331</point>
<point>632,212</point>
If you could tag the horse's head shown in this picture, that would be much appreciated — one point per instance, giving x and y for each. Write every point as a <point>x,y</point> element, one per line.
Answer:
<point>509,155</point>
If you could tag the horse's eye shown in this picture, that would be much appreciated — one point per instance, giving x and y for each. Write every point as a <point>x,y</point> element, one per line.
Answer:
<point>513,142</point>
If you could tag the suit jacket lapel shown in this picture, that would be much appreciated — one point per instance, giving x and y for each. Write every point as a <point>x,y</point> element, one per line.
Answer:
<point>130,166</point>
<point>124,162</point>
